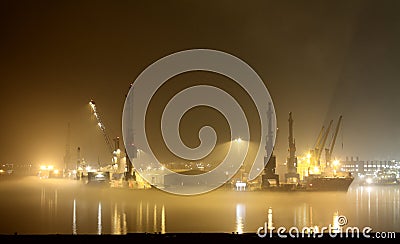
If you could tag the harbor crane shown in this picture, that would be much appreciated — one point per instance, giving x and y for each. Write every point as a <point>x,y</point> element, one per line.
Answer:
<point>291,176</point>
<point>316,152</point>
<point>322,144</point>
<point>118,158</point>
<point>328,152</point>
<point>101,125</point>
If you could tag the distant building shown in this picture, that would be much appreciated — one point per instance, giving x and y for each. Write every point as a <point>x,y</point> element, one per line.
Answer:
<point>361,167</point>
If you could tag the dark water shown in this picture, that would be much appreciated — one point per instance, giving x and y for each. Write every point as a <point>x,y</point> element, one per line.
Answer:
<point>56,206</point>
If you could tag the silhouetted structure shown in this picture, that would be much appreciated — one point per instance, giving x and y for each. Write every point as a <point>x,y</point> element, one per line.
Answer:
<point>291,176</point>
<point>269,178</point>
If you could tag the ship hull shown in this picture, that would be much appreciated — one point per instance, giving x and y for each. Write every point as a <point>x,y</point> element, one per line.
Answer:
<point>329,183</point>
<point>316,184</point>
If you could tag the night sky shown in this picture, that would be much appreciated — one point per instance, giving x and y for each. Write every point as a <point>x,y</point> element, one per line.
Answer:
<point>318,59</point>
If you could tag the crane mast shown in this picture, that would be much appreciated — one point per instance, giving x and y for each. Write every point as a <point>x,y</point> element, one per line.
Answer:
<point>328,152</point>
<point>314,151</point>
<point>292,160</point>
<point>323,143</point>
<point>317,143</point>
<point>291,176</point>
<point>101,125</point>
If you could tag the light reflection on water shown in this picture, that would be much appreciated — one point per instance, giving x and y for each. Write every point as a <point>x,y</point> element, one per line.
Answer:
<point>65,207</point>
<point>148,219</point>
<point>163,220</point>
<point>240,218</point>
<point>378,206</point>
<point>99,227</point>
<point>74,219</point>
<point>119,225</point>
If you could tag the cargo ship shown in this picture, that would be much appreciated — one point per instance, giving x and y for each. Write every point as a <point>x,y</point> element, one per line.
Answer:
<point>308,173</point>
<point>314,183</point>
<point>328,183</point>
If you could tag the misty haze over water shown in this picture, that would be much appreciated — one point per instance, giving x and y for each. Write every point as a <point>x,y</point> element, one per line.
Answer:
<point>58,206</point>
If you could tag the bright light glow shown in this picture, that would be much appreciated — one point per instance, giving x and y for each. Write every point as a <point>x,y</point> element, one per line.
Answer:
<point>240,184</point>
<point>56,171</point>
<point>316,170</point>
<point>336,225</point>
<point>269,219</point>
<point>369,181</point>
<point>99,124</point>
<point>43,167</point>
<point>238,140</point>
<point>50,167</point>
<point>99,176</point>
<point>308,155</point>
<point>335,163</point>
